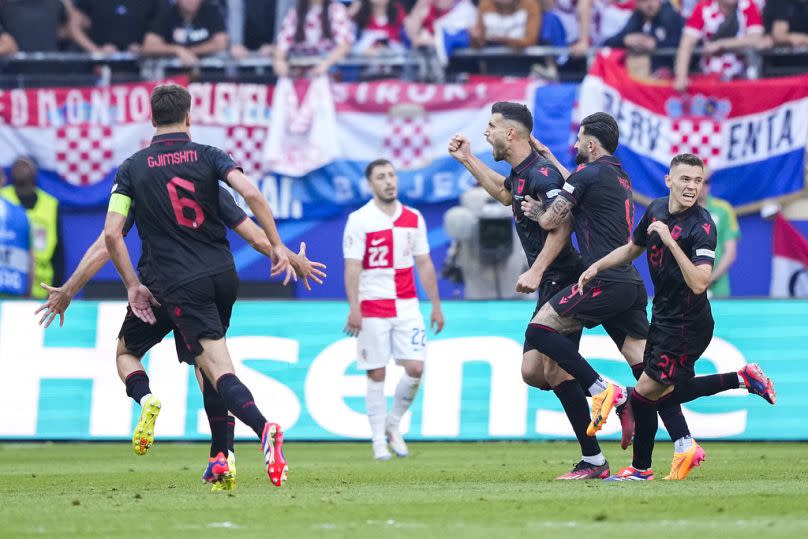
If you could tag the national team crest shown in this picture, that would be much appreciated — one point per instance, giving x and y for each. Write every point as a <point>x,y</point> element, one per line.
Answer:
<point>245,144</point>
<point>696,125</point>
<point>407,142</point>
<point>84,153</point>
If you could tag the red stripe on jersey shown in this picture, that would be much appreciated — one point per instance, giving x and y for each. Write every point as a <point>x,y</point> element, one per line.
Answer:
<point>378,249</point>
<point>405,283</point>
<point>407,219</point>
<point>378,308</point>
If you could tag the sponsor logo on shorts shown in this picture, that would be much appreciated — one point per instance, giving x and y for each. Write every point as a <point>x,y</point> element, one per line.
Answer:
<point>377,241</point>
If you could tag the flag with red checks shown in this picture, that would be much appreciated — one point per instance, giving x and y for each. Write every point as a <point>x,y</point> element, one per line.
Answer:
<point>699,136</point>
<point>84,153</point>
<point>245,144</point>
<point>750,134</point>
<point>406,142</point>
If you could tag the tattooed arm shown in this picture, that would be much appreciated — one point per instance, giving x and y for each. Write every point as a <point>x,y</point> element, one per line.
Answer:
<point>557,213</point>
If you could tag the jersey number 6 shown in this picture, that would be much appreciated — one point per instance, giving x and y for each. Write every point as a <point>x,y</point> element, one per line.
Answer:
<point>180,204</point>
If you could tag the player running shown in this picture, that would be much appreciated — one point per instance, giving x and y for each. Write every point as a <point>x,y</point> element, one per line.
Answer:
<point>679,237</point>
<point>174,187</point>
<point>221,426</point>
<point>382,244</point>
<point>553,263</point>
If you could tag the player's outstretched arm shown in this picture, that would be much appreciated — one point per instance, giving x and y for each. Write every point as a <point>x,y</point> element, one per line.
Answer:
<point>260,208</point>
<point>305,268</point>
<point>490,180</point>
<point>529,281</point>
<point>59,298</point>
<point>426,274</point>
<point>621,256</point>
<point>353,269</point>
<point>140,298</point>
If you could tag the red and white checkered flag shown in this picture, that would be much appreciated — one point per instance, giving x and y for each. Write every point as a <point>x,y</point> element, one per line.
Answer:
<point>699,136</point>
<point>84,153</point>
<point>246,146</point>
<point>407,142</point>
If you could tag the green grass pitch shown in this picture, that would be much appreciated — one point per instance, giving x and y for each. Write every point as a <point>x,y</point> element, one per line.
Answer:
<point>491,490</point>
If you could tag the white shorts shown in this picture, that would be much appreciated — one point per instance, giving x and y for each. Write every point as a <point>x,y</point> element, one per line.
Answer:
<point>383,339</point>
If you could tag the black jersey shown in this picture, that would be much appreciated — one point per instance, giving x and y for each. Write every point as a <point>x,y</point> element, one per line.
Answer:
<point>694,231</point>
<point>229,212</point>
<point>174,187</point>
<point>604,213</point>
<point>539,178</point>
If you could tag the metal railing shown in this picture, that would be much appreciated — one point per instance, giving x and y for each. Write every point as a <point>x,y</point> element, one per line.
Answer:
<point>155,68</point>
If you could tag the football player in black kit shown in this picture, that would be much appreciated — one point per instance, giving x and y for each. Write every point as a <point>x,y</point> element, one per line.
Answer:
<point>679,237</point>
<point>554,263</point>
<point>598,195</point>
<point>172,187</point>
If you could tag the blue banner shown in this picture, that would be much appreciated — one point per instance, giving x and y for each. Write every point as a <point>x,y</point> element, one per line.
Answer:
<point>301,370</point>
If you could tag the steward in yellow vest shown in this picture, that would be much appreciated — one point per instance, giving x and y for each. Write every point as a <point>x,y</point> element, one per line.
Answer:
<point>43,215</point>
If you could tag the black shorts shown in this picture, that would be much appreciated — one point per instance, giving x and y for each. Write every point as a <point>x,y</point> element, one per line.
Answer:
<point>199,309</point>
<point>671,351</point>
<point>617,306</point>
<point>551,285</point>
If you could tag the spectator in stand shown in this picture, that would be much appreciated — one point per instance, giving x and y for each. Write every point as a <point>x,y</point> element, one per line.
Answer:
<point>43,213</point>
<point>600,20</point>
<point>687,7</point>
<point>7,43</point>
<point>16,262</point>
<point>37,25</point>
<point>512,23</point>
<point>567,12</point>
<point>420,24</point>
<point>726,248</point>
<point>790,23</point>
<point>655,24</point>
<point>251,27</point>
<point>113,25</point>
<point>724,27</point>
<point>314,28</point>
<point>379,25</point>
<point>188,29</point>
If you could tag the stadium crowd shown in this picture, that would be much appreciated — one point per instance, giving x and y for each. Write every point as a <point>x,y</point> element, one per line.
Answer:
<point>329,30</point>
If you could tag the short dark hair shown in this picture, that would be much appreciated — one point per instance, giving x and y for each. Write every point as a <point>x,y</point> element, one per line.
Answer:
<point>170,103</point>
<point>603,127</point>
<point>516,112</point>
<point>687,159</point>
<point>374,164</point>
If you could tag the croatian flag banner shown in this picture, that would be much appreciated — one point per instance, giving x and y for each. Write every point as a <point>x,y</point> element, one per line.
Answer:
<point>789,261</point>
<point>79,136</point>
<point>751,134</point>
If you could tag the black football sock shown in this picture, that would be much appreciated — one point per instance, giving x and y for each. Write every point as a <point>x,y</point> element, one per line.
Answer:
<point>577,409</point>
<point>137,385</point>
<point>561,350</point>
<point>645,428</point>
<point>216,410</point>
<point>231,434</point>
<point>670,412</point>
<point>240,401</point>
<point>702,386</point>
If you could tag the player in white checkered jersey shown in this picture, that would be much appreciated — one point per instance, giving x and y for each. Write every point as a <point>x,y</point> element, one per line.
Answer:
<point>383,242</point>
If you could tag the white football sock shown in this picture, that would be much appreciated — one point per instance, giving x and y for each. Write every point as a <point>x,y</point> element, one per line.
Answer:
<point>683,444</point>
<point>144,399</point>
<point>405,393</point>
<point>597,460</point>
<point>599,386</point>
<point>376,407</point>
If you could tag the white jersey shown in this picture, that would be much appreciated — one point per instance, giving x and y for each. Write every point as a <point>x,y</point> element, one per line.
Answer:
<point>386,245</point>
